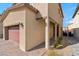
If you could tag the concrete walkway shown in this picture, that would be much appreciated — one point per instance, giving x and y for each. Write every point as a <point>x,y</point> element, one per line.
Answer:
<point>74,45</point>
<point>10,48</point>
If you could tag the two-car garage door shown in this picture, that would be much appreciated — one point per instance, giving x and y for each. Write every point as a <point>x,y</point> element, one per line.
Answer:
<point>13,33</point>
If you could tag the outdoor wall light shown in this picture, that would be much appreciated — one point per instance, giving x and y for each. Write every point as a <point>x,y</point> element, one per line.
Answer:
<point>21,24</point>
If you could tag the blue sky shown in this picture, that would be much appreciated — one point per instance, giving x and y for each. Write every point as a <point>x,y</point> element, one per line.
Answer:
<point>68,11</point>
<point>3,6</point>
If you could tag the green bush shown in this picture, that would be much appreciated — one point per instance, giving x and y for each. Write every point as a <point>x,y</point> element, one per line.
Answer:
<point>58,43</point>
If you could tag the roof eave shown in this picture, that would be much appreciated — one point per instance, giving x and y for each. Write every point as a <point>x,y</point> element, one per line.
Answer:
<point>75,11</point>
<point>61,10</point>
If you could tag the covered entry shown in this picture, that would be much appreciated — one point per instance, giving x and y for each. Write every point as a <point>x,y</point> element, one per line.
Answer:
<point>12,33</point>
<point>52,33</point>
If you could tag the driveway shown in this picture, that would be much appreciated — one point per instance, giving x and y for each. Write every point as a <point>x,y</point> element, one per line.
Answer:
<point>74,45</point>
<point>10,48</point>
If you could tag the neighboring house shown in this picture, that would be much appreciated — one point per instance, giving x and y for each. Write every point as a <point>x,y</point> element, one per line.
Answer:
<point>65,29</point>
<point>32,24</point>
<point>75,22</point>
<point>70,27</point>
<point>1,28</point>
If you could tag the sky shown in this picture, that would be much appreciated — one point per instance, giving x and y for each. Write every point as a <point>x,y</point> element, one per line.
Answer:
<point>4,6</point>
<point>68,11</point>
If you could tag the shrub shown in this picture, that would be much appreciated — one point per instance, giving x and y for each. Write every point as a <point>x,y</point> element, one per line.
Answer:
<point>58,43</point>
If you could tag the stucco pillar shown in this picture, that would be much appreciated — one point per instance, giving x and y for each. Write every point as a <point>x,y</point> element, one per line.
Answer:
<point>60,31</point>
<point>55,31</point>
<point>3,33</point>
<point>47,33</point>
<point>22,40</point>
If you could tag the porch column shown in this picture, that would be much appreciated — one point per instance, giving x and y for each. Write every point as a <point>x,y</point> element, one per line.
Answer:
<point>47,33</point>
<point>55,31</point>
<point>60,31</point>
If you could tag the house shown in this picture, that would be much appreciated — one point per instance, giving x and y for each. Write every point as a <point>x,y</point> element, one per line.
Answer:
<point>1,28</point>
<point>75,22</point>
<point>70,27</point>
<point>32,24</point>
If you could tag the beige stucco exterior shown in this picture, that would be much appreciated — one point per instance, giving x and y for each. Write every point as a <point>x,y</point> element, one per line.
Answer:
<point>53,12</point>
<point>35,30</point>
<point>1,28</point>
<point>32,31</point>
<point>42,7</point>
<point>55,16</point>
<point>14,18</point>
<point>75,23</point>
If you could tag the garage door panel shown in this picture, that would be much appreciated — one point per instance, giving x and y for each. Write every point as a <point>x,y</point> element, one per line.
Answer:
<point>14,33</point>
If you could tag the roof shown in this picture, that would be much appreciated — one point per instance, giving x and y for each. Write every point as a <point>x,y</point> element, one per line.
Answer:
<point>75,11</point>
<point>61,10</point>
<point>18,6</point>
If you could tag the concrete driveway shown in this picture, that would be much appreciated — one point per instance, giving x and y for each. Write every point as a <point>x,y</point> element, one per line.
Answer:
<point>75,46</point>
<point>10,48</point>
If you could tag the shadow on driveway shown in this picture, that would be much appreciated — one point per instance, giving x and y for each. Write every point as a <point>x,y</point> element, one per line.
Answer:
<point>70,41</point>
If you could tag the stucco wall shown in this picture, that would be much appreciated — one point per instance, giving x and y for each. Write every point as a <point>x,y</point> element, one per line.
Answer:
<point>53,13</point>
<point>1,29</point>
<point>51,30</point>
<point>35,30</point>
<point>42,7</point>
<point>55,16</point>
<point>70,26</point>
<point>76,32</point>
<point>32,32</point>
<point>75,25</point>
<point>60,31</point>
<point>76,21</point>
<point>13,18</point>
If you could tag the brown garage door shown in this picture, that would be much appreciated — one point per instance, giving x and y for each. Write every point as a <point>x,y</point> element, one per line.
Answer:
<point>14,33</point>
